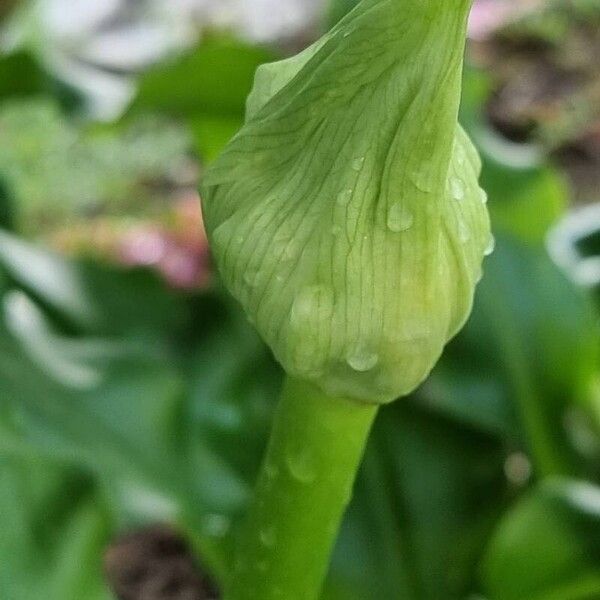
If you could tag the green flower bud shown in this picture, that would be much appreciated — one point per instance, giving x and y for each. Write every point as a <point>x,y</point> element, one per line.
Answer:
<point>346,215</point>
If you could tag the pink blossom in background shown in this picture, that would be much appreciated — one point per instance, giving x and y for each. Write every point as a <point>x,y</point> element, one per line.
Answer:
<point>178,252</point>
<point>488,16</point>
<point>186,263</point>
<point>142,246</point>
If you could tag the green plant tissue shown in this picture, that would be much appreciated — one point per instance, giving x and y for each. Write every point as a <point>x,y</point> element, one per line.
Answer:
<point>346,215</point>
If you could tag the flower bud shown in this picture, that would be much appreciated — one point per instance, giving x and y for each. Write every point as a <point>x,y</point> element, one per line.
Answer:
<point>346,215</point>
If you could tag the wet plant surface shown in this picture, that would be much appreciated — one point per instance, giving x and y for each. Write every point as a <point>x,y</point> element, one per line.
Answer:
<point>133,388</point>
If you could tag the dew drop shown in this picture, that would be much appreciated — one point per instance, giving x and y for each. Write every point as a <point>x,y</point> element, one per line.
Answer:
<point>484,197</point>
<point>301,465</point>
<point>517,468</point>
<point>399,219</point>
<point>268,536</point>
<point>362,359</point>
<point>348,490</point>
<point>215,525</point>
<point>457,188</point>
<point>421,181</point>
<point>344,197</point>
<point>312,302</point>
<point>491,246</point>
<point>464,235</point>
<point>357,163</point>
<point>251,278</point>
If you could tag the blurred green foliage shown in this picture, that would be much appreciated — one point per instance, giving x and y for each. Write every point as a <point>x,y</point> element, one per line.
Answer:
<point>125,402</point>
<point>548,546</point>
<point>58,171</point>
<point>195,89</point>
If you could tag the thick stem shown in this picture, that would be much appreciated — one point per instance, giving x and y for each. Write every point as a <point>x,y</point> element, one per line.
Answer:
<point>303,489</point>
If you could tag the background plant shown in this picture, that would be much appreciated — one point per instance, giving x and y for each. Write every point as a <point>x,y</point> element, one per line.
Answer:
<point>458,496</point>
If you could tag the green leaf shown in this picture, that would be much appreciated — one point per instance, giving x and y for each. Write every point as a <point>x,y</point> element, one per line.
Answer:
<point>548,546</point>
<point>346,216</point>
<point>211,133</point>
<point>170,450</point>
<point>534,200</point>
<point>6,206</point>
<point>528,352</point>
<point>54,532</point>
<point>213,80</point>
<point>427,496</point>
<point>338,9</point>
<point>21,75</point>
<point>91,296</point>
<point>195,89</point>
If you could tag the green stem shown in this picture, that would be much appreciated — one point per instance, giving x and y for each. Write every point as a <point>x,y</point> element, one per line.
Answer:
<point>304,487</point>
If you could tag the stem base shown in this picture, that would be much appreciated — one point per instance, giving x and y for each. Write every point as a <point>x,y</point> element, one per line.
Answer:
<point>303,489</point>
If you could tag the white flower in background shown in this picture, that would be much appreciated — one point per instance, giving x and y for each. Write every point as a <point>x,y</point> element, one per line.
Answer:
<point>263,20</point>
<point>97,46</point>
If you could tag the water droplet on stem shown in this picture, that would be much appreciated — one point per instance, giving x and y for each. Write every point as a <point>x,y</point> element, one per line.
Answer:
<point>268,536</point>
<point>301,465</point>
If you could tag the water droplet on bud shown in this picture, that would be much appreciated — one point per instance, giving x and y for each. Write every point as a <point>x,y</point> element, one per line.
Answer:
<point>344,197</point>
<point>251,278</point>
<point>421,181</point>
<point>457,188</point>
<point>464,234</point>
<point>399,218</point>
<point>362,359</point>
<point>491,246</point>
<point>312,302</point>
<point>357,163</point>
